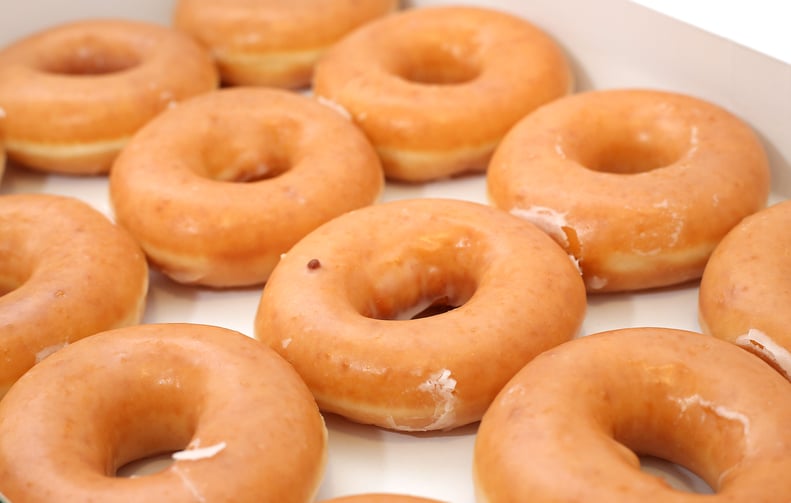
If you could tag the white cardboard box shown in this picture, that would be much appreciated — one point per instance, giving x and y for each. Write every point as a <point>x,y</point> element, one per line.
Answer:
<point>612,43</point>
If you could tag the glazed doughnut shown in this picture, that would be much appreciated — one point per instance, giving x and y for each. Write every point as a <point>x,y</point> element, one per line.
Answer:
<point>338,307</point>
<point>74,94</point>
<point>584,409</point>
<point>435,89</point>
<point>269,42</point>
<point>249,428</point>
<point>218,188</point>
<point>380,498</point>
<point>639,185</point>
<point>66,272</point>
<point>745,291</point>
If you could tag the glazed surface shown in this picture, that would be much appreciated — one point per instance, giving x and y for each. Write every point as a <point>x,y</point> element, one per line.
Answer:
<point>74,94</point>
<point>584,409</point>
<point>339,306</point>
<point>66,273</point>
<point>242,423</point>
<point>639,185</point>
<point>218,188</point>
<point>435,89</point>
<point>271,42</point>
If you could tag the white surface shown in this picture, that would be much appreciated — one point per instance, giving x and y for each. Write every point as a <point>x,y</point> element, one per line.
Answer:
<point>758,24</point>
<point>609,44</point>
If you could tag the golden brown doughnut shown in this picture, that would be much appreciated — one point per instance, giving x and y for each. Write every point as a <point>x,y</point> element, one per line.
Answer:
<point>639,185</point>
<point>72,95</point>
<point>435,89</point>
<point>338,305</point>
<point>745,292</point>
<point>66,272</point>
<point>271,42</point>
<point>568,425</point>
<point>2,158</point>
<point>249,429</point>
<point>218,188</point>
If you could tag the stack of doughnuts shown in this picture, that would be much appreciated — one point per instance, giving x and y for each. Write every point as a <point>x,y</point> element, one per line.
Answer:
<point>416,316</point>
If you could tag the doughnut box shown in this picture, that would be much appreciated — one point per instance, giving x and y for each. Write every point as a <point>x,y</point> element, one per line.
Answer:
<point>610,44</point>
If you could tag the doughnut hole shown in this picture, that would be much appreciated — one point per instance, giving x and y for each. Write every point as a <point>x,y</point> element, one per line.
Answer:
<point>152,414</point>
<point>425,282</point>
<point>245,151</point>
<point>431,61</point>
<point>89,57</point>
<point>637,147</point>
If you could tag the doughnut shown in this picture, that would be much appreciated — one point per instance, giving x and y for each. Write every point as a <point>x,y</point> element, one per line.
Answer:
<point>216,189</point>
<point>745,291</point>
<point>639,185</point>
<point>66,272</point>
<point>72,95</point>
<point>271,42</point>
<point>338,308</point>
<point>435,89</point>
<point>247,427</point>
<point>380,498</point>
<point>569,425</point>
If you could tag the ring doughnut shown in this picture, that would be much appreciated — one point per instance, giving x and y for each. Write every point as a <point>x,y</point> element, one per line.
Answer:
<point>66,273</point>
<point>218,188</point>
<point>273,43</point>
<point>583,409</point>
<point>639,185</point>
<point>746,287</point>
<point>435,89</point>
<point>338,308</point>
<point>73,94</point>
<point>380,498</point>
<point>249,428</point>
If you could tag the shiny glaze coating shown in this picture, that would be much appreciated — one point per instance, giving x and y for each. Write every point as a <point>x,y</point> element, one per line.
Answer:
<point>338,307</point>
<point>639,185</point>
<point>237,409</point>
<point>66,272</point>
